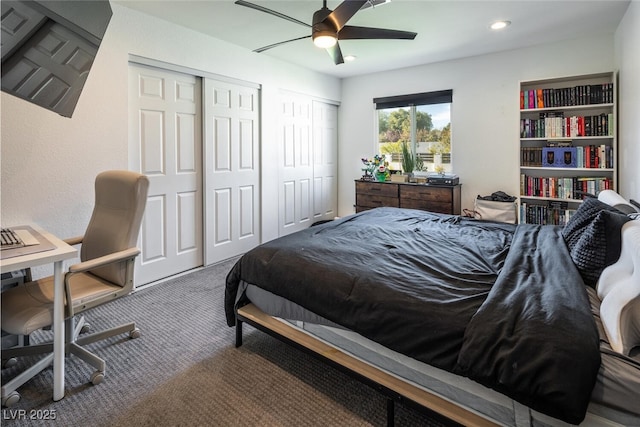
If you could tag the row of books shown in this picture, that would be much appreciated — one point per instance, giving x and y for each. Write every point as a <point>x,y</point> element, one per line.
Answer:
<point>563,188</point>
<point>557,126</point>
<point>545,214</point>
<point>589,156</point>
<point>568,96</point>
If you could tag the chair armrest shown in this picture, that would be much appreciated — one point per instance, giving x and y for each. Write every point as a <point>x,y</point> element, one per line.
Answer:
<point>73,240</point>
<point>104,260</point>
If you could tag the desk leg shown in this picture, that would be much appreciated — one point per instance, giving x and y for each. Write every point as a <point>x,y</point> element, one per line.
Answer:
<point>58,331</point>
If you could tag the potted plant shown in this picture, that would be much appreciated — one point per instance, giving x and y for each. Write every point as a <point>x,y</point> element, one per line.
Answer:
<point>408,160</point>
<point>375,169</point>
<point>420,169</point>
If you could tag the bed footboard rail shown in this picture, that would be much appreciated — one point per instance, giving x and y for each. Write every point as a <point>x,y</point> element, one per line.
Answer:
<point>392,388</point>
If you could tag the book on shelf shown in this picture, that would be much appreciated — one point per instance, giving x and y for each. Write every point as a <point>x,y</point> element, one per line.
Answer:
<point>551,213</point>
<point>559,157</point>
<point>586,157</point>
<point>539,99</point>
<point>555,125</point>
<point>566,97</point>
<point>563,188</point>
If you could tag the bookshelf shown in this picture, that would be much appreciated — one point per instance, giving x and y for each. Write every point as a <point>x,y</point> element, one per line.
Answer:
<point>568,144</point>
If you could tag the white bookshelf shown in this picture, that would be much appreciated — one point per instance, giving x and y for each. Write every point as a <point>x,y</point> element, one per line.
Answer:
<point>575,112</point>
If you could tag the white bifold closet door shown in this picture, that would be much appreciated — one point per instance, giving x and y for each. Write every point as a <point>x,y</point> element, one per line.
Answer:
<point>166,138</point>
<point>325,161</point>
<point>232,177</point>
<point>197,139</point>
<point>307,149</point>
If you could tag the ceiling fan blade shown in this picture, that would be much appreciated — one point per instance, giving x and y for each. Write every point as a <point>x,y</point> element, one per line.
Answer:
<point>344,12</point>
<point>336,54</point>
<point>262,49</point>
<point>270,12</point>
<point>349,32</point>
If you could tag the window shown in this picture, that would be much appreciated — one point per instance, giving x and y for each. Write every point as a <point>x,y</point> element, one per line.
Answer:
<point>423,121</point>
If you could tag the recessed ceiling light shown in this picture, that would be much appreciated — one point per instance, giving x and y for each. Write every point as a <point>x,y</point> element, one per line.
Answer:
<point>350,58</point>
<point>499,25</point>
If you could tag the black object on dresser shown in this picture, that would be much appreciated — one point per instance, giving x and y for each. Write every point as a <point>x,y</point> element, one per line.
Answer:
<point>428,197</point>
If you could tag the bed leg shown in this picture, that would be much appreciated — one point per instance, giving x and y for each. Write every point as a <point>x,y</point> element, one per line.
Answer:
<point>238,332</point>
<point>390,413</point>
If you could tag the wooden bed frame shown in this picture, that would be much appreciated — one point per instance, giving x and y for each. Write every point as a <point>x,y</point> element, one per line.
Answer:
<point>393,388</point>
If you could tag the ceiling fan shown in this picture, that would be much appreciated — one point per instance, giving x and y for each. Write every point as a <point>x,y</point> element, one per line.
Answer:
<point>328,26</point>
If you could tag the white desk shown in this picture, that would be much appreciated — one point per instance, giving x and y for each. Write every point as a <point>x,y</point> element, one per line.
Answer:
<point>56,256</point>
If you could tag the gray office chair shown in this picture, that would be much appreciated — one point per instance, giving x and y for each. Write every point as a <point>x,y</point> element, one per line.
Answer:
<point>104,274</point>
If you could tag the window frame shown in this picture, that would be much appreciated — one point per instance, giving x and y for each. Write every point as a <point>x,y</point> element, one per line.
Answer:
<point>410,101</point>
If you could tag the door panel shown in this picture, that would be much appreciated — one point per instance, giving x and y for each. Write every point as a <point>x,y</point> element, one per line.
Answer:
<point>165,109</point>
<point>152,241</point>
<point>232,176</point>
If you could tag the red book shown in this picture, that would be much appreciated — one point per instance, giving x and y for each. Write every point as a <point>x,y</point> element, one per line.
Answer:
<point>580,126</point>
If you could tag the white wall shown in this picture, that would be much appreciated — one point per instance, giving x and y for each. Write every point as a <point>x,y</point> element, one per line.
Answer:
<point>484,114</point>
<point>49,162</point>
<point>627,58</point>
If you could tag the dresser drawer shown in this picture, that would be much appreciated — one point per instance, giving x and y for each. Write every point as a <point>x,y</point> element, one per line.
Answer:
<point>432,194</point>
<point>427,205</point>
<point>376,201</point>
<point>377,188</point>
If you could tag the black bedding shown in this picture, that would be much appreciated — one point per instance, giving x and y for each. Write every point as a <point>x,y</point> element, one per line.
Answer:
<point>499,303</point>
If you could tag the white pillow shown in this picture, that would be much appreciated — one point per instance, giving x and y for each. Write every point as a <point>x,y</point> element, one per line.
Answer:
<point>614,199</point>
<point>619,290</point>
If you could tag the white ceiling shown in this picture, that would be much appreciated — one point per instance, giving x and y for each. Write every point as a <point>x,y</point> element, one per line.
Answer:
<point>446,29</point>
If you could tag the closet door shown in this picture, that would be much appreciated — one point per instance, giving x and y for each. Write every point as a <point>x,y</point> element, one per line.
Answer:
<point>325,161</point>
<point>166,140</point>
<point>232,177</point>
<point>295,152</point>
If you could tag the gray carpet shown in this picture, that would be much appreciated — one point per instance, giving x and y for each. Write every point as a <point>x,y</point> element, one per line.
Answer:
<point>185,370</point>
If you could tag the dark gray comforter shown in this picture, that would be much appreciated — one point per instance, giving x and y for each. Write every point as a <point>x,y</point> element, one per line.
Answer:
<point>501,304</point>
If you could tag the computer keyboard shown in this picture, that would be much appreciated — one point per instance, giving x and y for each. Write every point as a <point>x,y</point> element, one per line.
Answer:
<point>9,239</point>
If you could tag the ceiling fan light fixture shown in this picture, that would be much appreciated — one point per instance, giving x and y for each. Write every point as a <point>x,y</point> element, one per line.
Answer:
<point>325,39</point>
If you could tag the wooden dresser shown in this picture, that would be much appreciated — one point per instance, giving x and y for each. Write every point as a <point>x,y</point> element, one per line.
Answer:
<point>427,197</point>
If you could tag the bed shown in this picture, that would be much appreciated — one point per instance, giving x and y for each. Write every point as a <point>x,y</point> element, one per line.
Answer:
<point>486,323</point>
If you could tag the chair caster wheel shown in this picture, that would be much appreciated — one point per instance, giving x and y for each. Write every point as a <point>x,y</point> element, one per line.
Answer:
<point>11,399</point>
<point>7,363</point>
<point>96,377</point>
<point>135,333</point>
<point>85,328</point>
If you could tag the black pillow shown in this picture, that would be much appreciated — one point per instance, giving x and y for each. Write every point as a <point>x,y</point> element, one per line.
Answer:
<point>593,237</point>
